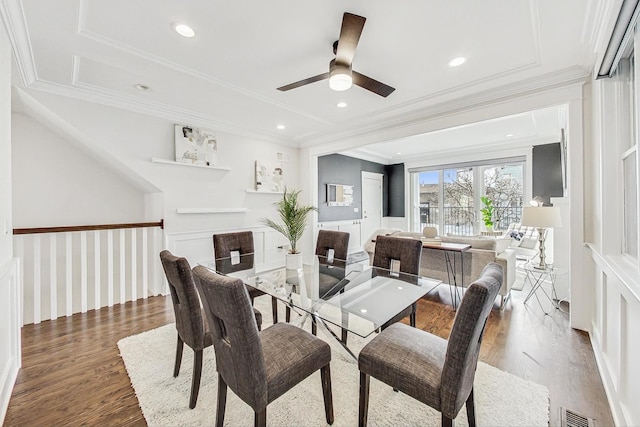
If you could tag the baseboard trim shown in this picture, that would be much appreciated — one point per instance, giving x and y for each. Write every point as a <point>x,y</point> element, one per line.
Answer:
<point>9,376</point>
<point>607,381</point>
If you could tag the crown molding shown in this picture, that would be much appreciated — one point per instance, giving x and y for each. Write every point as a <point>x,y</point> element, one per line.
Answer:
<point>99,95</point>
<point>16,25</point>
<point>407,120</point>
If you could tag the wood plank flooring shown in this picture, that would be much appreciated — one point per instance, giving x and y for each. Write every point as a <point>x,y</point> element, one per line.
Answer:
<point>72,373</point>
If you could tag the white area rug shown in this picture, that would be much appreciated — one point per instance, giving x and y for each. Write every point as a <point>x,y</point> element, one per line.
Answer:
<point>502,399</point>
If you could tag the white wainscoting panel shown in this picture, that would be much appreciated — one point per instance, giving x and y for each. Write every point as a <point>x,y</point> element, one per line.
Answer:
<point>10,324</point>
<point>614,332</point>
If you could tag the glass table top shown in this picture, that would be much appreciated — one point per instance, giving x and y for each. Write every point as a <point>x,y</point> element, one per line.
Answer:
<point>355,297</point>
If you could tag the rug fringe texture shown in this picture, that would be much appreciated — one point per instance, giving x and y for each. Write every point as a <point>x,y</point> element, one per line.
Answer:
<point>502,399</point>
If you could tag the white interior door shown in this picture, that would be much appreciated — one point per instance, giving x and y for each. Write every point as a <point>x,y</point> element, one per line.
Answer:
<point>371,204</point>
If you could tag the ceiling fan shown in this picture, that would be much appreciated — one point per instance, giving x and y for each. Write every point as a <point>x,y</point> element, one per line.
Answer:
<point>340,74</point>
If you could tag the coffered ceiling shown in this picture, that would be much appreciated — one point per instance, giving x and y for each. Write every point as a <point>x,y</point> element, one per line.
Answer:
<point>226,76</point>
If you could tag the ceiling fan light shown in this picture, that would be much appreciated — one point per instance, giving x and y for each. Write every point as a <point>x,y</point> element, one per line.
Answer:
<point>340,82</point>
<point>340,78</point>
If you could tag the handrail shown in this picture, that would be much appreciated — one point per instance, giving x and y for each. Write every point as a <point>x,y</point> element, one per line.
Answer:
<point>65,229</point>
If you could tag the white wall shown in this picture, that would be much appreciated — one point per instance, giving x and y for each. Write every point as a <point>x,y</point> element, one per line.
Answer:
<point>613,280</point>
<point>132,139</point>
<point>56,184</point>
<point>10,310</point>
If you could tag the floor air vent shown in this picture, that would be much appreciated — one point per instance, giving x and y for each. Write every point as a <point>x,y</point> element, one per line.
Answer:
<point>568,418</point>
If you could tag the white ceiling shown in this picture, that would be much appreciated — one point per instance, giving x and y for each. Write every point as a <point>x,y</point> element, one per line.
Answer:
<point>225,78</point>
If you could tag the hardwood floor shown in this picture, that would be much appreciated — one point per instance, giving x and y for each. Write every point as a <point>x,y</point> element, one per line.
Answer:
<point>72,373</point>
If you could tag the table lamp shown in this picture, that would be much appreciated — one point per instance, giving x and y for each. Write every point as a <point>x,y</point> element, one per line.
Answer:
<point>541,217</point>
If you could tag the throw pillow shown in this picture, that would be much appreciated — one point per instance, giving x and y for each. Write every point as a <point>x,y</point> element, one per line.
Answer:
<point>528,243</point>
<point>502,244</point>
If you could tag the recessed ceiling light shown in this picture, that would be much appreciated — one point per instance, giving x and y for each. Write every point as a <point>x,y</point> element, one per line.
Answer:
<point>281,127</point>
<point>184,30</point>
<point>457,61</point>
<point>398,153</point>
<point>509,135</point>
<point>142,87</point>
<point>341,104</point>
<point>364,310</point>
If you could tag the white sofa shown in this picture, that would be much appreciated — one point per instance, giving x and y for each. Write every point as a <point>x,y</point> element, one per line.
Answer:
<point>483,251</point>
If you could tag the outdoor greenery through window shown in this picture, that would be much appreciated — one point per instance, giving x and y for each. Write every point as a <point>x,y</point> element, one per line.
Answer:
<point>450,198</point>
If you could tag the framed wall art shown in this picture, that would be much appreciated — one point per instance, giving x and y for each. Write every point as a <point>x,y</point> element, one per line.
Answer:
<point>269,178</point>
<point>196,146</point>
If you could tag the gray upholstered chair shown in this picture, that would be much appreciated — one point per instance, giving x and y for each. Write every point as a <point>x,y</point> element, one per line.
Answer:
<point>258,366</point>
<point>408,252</point>
<point>242,242</point>
<point>191,324</point>
<point>428,368</point>
<point>336,240</point>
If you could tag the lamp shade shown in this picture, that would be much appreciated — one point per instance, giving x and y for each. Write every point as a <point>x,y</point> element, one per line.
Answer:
<point>541,217</point>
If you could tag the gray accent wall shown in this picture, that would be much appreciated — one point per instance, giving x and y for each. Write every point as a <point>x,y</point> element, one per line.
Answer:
<point>345,170</point>
<point>547,171</point>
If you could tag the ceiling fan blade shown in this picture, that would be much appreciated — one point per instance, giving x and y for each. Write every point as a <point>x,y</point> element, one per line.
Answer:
<point>352,26</point>
<point>372,85</point>
<point>304,82</point>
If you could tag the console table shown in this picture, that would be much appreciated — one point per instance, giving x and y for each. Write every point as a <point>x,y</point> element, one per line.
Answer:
<point>450,251</point>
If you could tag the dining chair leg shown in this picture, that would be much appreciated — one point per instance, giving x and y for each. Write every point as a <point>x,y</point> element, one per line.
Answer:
<point>222,401</point>
<point>471,410</point>
<point>364,399</point>
<point>325,374</point>
<point>260,418</point>
<point>287,314</point>
<point>314,327</point>
<point>448,422</point>
<point>412,316</point>
<point>274,309</point>
<point>195,380</point>
<point>179,347</point>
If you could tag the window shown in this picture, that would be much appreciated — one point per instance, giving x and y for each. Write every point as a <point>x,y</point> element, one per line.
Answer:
<point>449,196</point>
<point>628,160</point>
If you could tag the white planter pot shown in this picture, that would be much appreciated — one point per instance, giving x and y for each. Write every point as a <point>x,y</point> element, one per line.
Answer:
<point>294,261</point>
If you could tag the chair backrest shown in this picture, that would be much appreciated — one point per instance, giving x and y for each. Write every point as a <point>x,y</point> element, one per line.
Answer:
<point>239,357</point>
<point>465,338</point>
<point>190,322</point>
<point>336,240</point>
<point>224,244</point>
<point>407,251</point>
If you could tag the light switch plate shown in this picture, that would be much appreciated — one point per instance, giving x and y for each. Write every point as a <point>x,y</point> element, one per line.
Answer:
<point>356,210</point>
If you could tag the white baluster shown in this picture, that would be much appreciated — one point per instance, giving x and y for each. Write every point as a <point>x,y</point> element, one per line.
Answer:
<point>145,264</point>
<point>134,265</point>
<point>83,272</point>
<point>110,268</point>
<point>37,315</point>
<point>96,269</point>
<point>53,276</point>
<point>69,272</point>
<point>122,278</point>
<point>18,240</point>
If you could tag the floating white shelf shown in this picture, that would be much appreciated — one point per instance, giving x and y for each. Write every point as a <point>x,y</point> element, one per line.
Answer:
<point>171,162</point>
<point>210,210</point>
<point>251,190</point>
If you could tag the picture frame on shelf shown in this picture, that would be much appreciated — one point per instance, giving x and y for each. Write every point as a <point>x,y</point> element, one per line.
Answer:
<point>268,177</point>
<point>196,146</point>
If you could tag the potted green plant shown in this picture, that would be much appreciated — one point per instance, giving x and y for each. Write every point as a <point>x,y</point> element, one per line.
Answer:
<point>487,212</point>
<point>294,221</point>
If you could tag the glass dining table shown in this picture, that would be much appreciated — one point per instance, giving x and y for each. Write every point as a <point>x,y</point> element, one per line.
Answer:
<point>355,297</point>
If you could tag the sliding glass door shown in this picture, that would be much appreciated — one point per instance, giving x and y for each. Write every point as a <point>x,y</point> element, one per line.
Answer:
<point>449,197</point>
